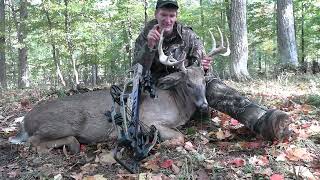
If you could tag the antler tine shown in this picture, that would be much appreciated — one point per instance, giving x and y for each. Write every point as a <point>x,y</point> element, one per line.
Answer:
<point>214,44</point>
<point>228,50</point>
<point>216,50</point>
<point>166,60</point>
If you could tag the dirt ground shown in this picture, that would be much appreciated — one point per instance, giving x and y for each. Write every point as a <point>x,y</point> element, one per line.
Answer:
<point>217,147</point>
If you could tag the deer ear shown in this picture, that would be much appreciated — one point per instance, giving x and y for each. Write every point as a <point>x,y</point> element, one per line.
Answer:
<point>170,80</point>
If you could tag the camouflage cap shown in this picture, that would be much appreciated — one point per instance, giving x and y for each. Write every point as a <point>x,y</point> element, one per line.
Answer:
<point>167,3</point>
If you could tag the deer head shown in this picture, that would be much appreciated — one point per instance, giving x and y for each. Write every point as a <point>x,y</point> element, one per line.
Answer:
<point>171,61</point>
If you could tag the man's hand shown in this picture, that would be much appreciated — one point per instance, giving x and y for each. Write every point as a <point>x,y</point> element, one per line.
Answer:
<point>153,36</point>
<point>206,62</point>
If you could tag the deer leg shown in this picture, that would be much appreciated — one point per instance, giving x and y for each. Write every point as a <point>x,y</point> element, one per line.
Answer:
<point>71,142</point>
<point>170,136</point>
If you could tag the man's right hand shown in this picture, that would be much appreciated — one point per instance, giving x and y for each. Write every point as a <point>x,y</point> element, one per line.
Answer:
<point>153,36</point>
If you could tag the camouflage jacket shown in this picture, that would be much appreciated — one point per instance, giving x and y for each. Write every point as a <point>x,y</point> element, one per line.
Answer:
<point>183,43</point>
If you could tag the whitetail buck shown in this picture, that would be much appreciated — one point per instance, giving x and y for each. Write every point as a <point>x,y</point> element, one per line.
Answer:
<point>80,118</point>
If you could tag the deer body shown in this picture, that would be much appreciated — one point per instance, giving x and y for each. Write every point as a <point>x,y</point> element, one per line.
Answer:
<point>81,118</point>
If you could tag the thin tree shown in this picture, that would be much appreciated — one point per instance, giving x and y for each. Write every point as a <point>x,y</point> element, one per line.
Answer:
<point>286,34</point>
<point>239,40</point>
<point>53,45</point>
<point>3,79</point>
<point>23,79</point>
<point>69,42</point>
<point>302,45</point>
<point>145,7</point>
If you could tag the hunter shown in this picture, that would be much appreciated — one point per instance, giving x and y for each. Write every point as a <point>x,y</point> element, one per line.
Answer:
<point>271,124</point>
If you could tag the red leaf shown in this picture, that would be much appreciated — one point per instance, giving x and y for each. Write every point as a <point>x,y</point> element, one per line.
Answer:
<point>276,177</point>
<point>166,163</point>
<point>82,147</point>
<point>234,122</point>
<point>303,126</point>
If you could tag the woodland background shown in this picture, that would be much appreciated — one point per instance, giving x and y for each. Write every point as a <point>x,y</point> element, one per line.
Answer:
<point>63,42</point>
<point>47,47</point>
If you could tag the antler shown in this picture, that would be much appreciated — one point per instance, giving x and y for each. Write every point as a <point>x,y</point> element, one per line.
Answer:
<point>167,60</point>
<point>216,50</point>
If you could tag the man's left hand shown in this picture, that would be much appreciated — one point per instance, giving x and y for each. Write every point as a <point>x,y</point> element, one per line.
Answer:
<point>206,62</point>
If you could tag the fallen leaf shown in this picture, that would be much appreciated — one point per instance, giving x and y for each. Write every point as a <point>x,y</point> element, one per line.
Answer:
<point>65,152</point>
<point>216,121</point>
<point>303,172</point>
<point>160,177</point>
<point>224,145</point>
<point>204,140</point>
<point>141,176</point>
<point>189,146</point>
<point>259,160</point>
<point>82,147</point>
<point>202,174</point>
<point>57,177</point>
<point>234,122</point>
<point>281,157</point>
<point>224,119</point>
<point>152,164</point>
<point>267,172</point>
<point>276,177</point>
<point>251,145</point>
<point>227,134</point>
<point>173,142</point>
<point>313,129</point>
<point>175,169</point>
<point>77,176</point>
<point>25,103</point>
<point>238,162</point>
<point>95,177</point>
<point>220,134</point>
<point>296,154</point>
<point>88,168</point>
<point>107,158</point>
<point>166,163</point>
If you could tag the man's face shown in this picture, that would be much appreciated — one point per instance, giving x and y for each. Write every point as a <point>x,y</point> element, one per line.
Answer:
<point>166,19</point>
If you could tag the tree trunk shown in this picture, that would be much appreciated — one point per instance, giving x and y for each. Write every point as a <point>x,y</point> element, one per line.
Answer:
<point>315,68</point>
<point>23,79</point>
<point>286,35</point>
<point>304,65</point>
<point>239,41</point>
<point>130,39</point>
<point>3,75</point>
<point>67,24</point>
<point>12,68</point>
<point>94,74</point>
<point>54,49</point>
<point>145,12</point>
<point>20,24</point>
<point>201,14</point>
<point>228,12</point>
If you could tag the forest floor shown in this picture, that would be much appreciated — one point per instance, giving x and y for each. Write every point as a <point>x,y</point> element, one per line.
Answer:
<point>216,148</point>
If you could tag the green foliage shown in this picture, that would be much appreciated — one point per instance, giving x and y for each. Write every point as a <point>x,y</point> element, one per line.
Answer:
<point>313,99</point>
<point>103,34</point>
<point>191,131</point>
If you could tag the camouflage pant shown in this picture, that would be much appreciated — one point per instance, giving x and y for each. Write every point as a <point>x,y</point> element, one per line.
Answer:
<point>227,100</point>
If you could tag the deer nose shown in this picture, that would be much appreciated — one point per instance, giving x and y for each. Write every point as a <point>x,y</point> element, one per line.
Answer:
<point>204,107</point>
